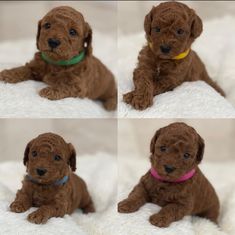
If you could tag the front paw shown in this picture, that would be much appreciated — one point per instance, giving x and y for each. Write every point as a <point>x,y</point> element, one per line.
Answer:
<point>51,93</point>
<point>37,217</point>
<point>139,101</point>
<point>160,220</point>
<point>127,206</point>
<point>18,207</point>
<point>8,76</point>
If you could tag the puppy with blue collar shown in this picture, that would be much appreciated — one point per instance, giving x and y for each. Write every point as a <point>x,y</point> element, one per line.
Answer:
<point>50,183</point>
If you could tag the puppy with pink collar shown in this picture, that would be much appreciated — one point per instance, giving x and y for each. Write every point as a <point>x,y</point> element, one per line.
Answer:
<point>174,180</point>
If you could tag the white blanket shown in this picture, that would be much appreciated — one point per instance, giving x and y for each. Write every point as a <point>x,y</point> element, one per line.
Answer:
<point>22,99</point>
<point>100,173</point>
<point>196,99</point>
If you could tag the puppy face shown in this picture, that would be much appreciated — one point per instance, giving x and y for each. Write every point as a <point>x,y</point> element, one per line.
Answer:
<point>63,34</point>
<point>176,149</point>
<point>48,158</point>
<point>171,28</point>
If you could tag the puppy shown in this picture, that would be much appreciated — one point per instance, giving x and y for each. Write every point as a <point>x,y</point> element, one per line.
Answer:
<point>65,61</point>
<point>167,60</point>
<point>50,183</point>
<point>174,181</point>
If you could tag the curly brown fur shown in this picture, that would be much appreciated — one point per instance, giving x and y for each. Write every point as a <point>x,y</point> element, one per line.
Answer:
<point>195,196</point>
<point>172,26</point>
<point>51,154</point>
<point>89,78</point>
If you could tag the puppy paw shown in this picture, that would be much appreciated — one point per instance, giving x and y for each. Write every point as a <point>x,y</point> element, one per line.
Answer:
<point>139,101</point>
<point>18,207</point>
<point>89,209</point>
<point>127,206</point>
<point>110,104</point>
<point>37,217</point>
<point>51,93</point>
<point>8,76</point>
<point>128,97</point>
<point>159,220</point>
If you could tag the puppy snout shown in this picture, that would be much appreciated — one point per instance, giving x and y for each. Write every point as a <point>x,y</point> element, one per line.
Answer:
<point>165,49</point>
<point>53,42</point>
<point>169,169</point>
<point>41,171</point>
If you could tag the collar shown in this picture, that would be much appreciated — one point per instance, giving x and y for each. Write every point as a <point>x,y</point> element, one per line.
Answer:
<point>56,183</point>
<point>183,178</point>
<point>75,60</point>
<point>178,57</point>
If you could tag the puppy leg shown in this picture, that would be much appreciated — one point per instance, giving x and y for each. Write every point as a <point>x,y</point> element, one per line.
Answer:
<point>211,214</point>
<point>21,203</point>
<point>137,198</point>
<point>169,214</point>
<point>86,204</point>
<point>109,99</point>
<point>62,91</point>
<point>41,215</point>
<point>142,96</point>
<point>15,75</point>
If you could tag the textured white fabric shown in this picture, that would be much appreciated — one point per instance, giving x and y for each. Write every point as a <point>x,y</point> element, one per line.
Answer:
<point>216,49</point>
<point>22,99</point>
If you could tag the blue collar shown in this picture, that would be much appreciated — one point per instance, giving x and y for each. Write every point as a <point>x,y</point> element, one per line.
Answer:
<point>56,183</point>
<point>61,181</point>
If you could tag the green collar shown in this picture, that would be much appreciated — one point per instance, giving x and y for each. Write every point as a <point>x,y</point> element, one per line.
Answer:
<point>76,59</point>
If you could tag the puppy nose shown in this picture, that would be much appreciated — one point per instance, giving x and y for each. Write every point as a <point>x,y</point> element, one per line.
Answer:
<point>169,169</point>
<point>53,42</point>
<point>165,49</point>
<point>41,171</point>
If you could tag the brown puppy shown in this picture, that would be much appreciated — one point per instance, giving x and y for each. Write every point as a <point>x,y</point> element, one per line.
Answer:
<point>50,184</point>
<point>65,61</point>
<point>174,182</point>
<point>167,61</point>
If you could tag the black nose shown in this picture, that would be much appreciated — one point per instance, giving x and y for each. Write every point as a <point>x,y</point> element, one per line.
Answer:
<point>165,49</point>
<point>53,42</point>
<point>41,171</point>
<point>169,169</point>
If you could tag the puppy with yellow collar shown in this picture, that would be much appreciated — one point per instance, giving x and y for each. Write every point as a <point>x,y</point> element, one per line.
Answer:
<point>167,60</point>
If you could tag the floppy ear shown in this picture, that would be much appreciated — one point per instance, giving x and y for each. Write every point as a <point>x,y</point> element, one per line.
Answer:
<point>72,157</point>
<point>201,147</point>
<point>88,39</point>
<point>38,33</point>
<point>26,152</point>
<point>154,139</point>
<point>196,27</point>
<point>147,23</point>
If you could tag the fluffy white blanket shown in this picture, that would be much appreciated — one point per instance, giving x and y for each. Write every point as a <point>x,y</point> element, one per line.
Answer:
<point>196,99</point>
<point>100,173</point>
<point>22,99</point>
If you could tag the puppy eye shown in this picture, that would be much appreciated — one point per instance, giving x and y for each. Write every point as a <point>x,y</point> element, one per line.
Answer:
<point>34,154</point>
<point>72,32</point>
<point>180,31</point>
<point>163,148</point>
<point>57,158</point>
<point>157,29</point>
<point>47,25</point>
<point>186,155</point>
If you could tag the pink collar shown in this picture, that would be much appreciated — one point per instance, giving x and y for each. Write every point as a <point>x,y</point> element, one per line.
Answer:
<point>183,178</point>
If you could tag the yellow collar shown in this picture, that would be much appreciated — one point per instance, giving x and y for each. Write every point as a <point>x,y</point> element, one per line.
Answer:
<point>178,57</point>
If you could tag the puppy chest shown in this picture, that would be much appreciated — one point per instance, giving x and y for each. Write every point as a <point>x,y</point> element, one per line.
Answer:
<point>42,196</point>
<point>163,194</point>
